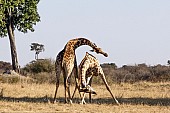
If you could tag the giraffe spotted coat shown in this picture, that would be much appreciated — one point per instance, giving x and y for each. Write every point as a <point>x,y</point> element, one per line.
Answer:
<point>88,68</point>
<point>66,62</point>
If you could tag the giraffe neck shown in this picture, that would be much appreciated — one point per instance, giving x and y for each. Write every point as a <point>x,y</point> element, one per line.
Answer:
<point>72,45</point>
<point>88,66</point>
<point>83,41</point>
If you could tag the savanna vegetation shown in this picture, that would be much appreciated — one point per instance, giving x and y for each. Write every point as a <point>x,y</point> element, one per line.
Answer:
<point>138,88</point>
<point>43,71</point>
<point>141,97</point>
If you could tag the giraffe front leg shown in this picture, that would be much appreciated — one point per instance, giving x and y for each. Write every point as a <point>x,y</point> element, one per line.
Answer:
<point>89,82</point>
<point>89,79</point>
<point>68,89</point>
<point>108,88</point>
<point>83,99</point>
<point>89,89</point>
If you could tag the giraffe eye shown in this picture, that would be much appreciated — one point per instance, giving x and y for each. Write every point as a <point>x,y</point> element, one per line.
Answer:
<point>94,44</point>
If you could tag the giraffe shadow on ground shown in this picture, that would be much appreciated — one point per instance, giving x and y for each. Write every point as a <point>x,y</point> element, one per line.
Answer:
<point>26,99</point>
<point>131,101</point>
<point>135,101</point>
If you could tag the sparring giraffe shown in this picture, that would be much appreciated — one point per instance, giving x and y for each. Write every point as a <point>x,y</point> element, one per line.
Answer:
<point>66,62</point>
<point>88,68</point>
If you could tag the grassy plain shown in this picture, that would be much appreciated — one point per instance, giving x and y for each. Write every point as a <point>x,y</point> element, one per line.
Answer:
<point>143,97</point>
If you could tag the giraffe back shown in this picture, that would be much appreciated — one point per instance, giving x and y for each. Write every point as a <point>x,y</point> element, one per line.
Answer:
<point>90,66</point>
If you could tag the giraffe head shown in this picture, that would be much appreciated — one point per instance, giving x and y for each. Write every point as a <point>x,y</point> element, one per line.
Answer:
<point>98,50</point>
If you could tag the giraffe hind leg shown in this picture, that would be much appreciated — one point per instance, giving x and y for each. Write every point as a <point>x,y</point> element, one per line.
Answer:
<point>58,72</point>
<point>67,75</point>
<point>76,79</point>
<point>57,85</point>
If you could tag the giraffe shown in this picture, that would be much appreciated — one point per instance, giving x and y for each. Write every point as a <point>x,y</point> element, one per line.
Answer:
<point>66,62</point>
<point>88,68</point>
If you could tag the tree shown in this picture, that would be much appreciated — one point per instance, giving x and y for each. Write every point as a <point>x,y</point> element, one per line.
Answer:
<point>37,48</point>
<point>20,15</point>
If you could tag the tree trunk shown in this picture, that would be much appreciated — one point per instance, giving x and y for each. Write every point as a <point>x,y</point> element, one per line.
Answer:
<point>15,65</point>
<point>36,55</point>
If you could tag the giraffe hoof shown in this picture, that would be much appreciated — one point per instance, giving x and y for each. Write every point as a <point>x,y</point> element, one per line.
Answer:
<point>88,89</point>
<point>92,92</point>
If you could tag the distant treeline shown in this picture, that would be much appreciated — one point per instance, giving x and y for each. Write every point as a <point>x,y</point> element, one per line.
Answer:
<point>136,73</point>
<point>44,71</point>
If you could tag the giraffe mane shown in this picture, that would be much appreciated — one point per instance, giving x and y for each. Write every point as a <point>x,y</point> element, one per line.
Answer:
<point>91,55</point>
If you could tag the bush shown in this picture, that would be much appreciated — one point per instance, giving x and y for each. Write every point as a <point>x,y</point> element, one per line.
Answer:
<point>13,79</point>
<point>42,71</point>
<point>136,73</point>
<point>5,66</point>
<point>44,78</point>
<point>39,66</point>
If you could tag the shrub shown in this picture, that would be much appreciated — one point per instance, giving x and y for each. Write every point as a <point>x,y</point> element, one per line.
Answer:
<point>15,79</point>
<point>136,73</point>
<point>42,71</point>
<point>7,79</point>
<point>39,66</point>
<point>44,78</point>
<point>4,66</point>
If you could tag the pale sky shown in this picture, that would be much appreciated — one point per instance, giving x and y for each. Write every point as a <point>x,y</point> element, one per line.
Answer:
<point>130,31</point>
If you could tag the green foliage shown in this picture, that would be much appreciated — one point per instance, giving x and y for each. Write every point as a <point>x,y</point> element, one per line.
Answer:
<point>41,70</point>
<point>39,66</point>
<point>37,47</point>
<point>22,13</point>
<point>5,65</point>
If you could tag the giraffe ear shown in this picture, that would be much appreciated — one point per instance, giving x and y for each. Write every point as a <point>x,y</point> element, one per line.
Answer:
<point>87,53</point>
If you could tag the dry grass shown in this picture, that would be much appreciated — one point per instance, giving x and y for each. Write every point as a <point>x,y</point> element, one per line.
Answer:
<point>143,97</point>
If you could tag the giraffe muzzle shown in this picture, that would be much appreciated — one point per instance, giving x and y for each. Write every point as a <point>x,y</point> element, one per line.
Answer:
<point>105,54</point>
